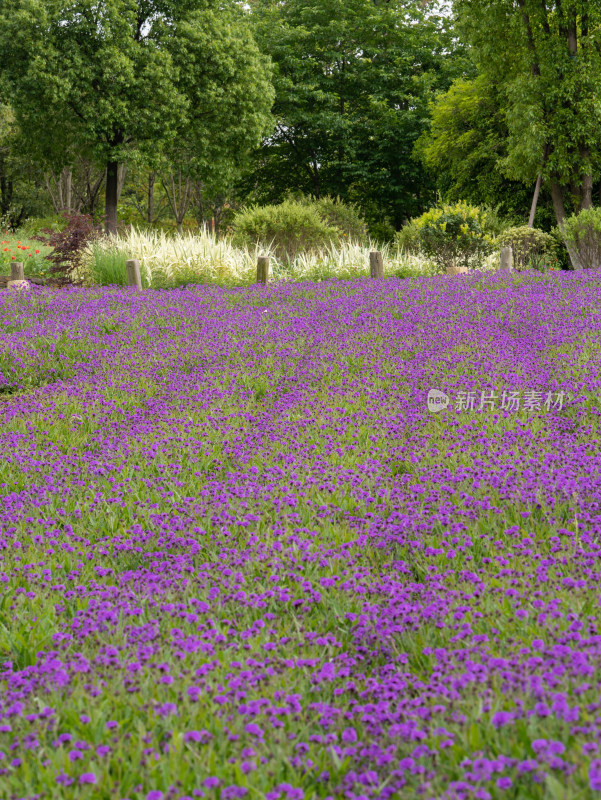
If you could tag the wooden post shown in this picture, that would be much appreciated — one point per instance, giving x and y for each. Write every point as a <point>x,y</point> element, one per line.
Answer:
<point>133,273</point>
<point>263,269</point>
<point>506,261</point>
<point>16,271</point>
<point>376,264</point>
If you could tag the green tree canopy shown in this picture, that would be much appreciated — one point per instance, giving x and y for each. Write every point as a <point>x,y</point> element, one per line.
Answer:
<point>353,79</point>
<point>466,145</point>
<point>545,59</point>
<point>128,79</point>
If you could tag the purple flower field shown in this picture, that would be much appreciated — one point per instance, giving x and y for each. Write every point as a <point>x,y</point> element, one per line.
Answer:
<point>241,558</point>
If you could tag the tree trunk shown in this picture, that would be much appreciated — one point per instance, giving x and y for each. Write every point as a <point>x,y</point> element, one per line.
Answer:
<point>68,184</point>
<point>111,197</point>
<point>315,176</point>
<point>151,179</point>
<point>179,196</point>
<point>121,173</point>
<point>199,205</point>
<point>535,200</point>
<point>54,196</point>
<point>573,33</point>
<point>539,178</point>
<point>558,206</point>
<point>560,214</point>
<point>87,187</point>
<point>6,194</point>
<point>587,191</point>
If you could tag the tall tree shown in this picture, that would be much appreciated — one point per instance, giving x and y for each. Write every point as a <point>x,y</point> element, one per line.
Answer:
<point>466,145</point>
<point>229,100</point>
<point>21,181</point>
<point>353,80</point>
<point>110,76</point>
<point>545,57</point>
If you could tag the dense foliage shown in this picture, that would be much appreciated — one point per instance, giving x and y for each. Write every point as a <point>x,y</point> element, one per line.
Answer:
<point>548,88</point>
<point>353,79</point>
<point>124,81</point>
<point>465,146</point>
<point>531,247</point>
<point>285,229</point>
<point>150,113</point>
<point>583,232</point>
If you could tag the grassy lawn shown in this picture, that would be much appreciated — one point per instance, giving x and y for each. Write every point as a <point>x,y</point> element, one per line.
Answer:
<point>240,557</point>
<point>21,247</point>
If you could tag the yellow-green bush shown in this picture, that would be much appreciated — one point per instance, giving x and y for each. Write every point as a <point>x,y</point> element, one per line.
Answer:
<point>450,235</point>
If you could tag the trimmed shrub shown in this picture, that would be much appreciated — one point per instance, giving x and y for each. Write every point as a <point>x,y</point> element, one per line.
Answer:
<point>285,229</point>
<point>346,217</point>
<point>532,248</point>
<point>582,231</point>
<point>407,238</point>
<point>450,235</point>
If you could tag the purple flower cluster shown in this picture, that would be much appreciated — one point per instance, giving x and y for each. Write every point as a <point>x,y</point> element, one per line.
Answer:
<point>238,554</point>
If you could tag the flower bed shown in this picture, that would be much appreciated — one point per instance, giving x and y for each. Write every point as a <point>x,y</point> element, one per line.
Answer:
<point>240,556</point>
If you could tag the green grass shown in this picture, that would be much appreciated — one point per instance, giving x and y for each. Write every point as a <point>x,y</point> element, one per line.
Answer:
<point>20,247</point>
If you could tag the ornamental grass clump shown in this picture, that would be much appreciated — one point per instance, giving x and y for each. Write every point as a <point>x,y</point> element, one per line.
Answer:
<point>241,557</point>
<point>169,261</point>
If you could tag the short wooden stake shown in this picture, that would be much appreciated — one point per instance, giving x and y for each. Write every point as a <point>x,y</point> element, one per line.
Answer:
<point>133,273</point>
<point>17,272</point>
<point>376,264</point>
<point>506,261</point>
<point>263,269</point>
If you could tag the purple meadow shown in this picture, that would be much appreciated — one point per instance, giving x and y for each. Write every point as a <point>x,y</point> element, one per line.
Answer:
<point>238,551</point>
